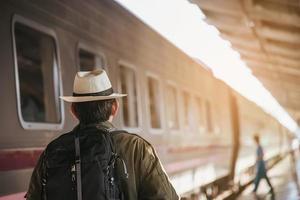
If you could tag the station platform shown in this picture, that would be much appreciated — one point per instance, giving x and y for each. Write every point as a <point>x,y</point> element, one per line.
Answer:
<point>285,179</point>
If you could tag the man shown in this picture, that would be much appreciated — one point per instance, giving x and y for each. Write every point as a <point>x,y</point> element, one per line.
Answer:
<point>261,171</point>
<point>94,104</point>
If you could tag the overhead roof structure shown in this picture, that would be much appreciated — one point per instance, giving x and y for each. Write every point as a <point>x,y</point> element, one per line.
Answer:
<point>266,33</point>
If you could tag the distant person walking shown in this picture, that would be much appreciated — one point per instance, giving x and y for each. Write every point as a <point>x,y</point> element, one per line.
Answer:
<point>261,171</point>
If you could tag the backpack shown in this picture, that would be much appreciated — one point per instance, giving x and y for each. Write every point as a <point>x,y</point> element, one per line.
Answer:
<point>83,165</point>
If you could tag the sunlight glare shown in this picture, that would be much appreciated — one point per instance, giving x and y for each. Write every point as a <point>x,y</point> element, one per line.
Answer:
<point>182,23</point>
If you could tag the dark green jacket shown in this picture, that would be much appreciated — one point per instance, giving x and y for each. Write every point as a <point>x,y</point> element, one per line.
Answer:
<point>147,178</point>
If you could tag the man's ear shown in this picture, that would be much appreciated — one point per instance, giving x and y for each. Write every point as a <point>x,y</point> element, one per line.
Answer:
<point>115,108</point>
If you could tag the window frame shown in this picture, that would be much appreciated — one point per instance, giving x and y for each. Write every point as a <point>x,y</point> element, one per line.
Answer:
<point>200,101</point>
<point>138,95</point>
<point>161,106</point>
<point>173,84</point>
<point>212,126</point>
<point>190,108</point>
<point>48,31</point>
<point>89,48</point>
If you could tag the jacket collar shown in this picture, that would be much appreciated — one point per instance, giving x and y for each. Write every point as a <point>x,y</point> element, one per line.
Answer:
<point>107,125</point>
<point>101,125</point>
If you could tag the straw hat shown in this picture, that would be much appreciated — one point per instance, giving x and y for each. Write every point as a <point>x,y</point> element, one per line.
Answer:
<point>92,86</point>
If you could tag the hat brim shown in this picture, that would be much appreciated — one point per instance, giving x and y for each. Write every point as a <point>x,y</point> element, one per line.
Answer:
<point>91,98</point>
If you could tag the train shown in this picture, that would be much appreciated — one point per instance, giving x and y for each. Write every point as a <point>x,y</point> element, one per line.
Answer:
<point>200,128</point>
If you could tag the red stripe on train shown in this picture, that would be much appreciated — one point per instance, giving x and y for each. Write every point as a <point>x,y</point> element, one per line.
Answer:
<point>17,196</point>
<point>18,159</point>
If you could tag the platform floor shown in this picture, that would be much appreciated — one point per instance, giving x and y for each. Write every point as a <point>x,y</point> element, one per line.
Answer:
<point>285,180</point>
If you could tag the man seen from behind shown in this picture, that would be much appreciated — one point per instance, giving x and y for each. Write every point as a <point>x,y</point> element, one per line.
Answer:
<point>95,160</point>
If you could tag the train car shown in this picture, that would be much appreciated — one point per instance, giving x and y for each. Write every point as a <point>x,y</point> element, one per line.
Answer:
<point>173,101</point>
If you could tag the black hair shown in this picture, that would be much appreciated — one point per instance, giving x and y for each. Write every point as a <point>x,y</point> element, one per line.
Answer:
<point>92,112</point>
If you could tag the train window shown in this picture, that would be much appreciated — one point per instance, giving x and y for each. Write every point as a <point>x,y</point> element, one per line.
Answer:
<point>129,104</point>
<point>209,126</point>
<point>89,60</point>
<point>37,77</point>
<point>199,114</point>
<point>187,110</point>
<point>172,108</point>
<point>154,102</point>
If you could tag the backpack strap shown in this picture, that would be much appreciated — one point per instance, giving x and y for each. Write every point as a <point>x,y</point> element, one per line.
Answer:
<point>44,179</point>
<point>116,131</point>
<point>78,165</point>
<point>111,132</point>
<point>117,158</point>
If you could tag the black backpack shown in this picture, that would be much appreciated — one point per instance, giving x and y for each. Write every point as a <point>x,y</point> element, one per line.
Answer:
<point>83,165</point>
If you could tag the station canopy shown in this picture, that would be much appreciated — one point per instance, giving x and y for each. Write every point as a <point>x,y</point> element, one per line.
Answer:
<point>266,33</point>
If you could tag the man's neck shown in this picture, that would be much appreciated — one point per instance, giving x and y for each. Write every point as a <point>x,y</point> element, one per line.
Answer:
<point>110,119</point>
